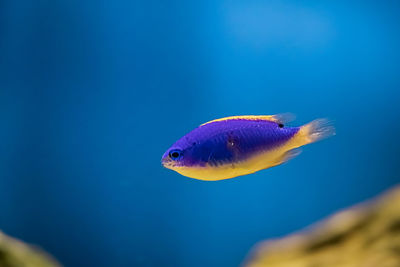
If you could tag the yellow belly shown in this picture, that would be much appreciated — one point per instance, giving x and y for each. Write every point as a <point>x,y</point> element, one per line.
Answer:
<point>226,171</point>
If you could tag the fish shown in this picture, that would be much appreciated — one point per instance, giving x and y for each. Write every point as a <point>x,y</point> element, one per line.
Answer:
<point>239,145</point>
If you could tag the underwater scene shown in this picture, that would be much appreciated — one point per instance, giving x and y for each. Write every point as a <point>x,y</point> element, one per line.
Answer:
<point>199,133</point>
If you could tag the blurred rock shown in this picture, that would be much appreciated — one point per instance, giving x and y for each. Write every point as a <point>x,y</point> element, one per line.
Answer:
<point>367,235</point>
<point>14,253</point>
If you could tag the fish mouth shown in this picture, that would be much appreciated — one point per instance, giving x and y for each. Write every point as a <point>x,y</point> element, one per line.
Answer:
<point>167,163</point>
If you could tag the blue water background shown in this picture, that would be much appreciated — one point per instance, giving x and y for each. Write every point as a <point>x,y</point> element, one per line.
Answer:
<point>93,92</point>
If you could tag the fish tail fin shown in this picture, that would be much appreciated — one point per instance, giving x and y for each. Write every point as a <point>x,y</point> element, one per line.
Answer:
<point>316,130</point>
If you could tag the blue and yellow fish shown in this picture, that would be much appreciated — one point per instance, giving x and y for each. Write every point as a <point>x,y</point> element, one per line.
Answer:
<point>240,145</point>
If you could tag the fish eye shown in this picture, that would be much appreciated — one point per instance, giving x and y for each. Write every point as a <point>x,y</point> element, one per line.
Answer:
<point>280,125</point>
<point>175,154</point>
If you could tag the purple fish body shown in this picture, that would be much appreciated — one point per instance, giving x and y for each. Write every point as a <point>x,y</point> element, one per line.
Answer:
<point>224,142</point>
<point>233,146</point>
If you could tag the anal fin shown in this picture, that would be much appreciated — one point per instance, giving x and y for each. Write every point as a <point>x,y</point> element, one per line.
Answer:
<point>288,155</point>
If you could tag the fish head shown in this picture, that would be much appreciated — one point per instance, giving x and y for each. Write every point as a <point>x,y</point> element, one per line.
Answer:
<point>180,154</point>
<point>173,157</point>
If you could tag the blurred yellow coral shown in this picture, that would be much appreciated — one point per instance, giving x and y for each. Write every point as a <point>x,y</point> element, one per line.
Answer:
<point>15,253</point>
<point>367,235</point>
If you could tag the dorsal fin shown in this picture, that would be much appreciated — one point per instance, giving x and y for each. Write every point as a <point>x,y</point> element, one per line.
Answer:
<point>279,118</point>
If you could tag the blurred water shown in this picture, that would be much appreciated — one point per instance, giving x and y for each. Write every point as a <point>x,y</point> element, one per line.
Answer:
<point>92,93</point>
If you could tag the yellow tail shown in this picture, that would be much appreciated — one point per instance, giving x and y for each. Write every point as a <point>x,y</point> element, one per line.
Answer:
<point>316,130</point>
